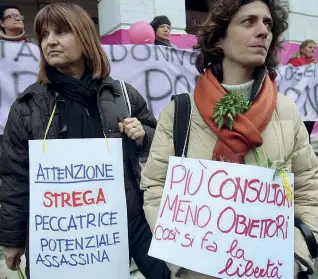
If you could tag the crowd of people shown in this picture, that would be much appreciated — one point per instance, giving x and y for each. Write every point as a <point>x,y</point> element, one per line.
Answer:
<point>238,46</point>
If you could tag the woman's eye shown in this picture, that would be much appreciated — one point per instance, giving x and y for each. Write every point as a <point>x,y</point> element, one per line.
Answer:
<point>247,21</point>
<point>269,25</point>
<point>61,32</point>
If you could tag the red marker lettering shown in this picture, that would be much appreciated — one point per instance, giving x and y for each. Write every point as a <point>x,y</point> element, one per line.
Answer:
<point>73,199</point>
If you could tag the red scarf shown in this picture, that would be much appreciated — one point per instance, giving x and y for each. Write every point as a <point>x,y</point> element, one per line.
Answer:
<point>232,145</point>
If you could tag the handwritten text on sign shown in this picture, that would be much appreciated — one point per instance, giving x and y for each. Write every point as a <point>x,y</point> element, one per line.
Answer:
<point>156,72</point>
<point>235,218</point>
<point>78,222</point>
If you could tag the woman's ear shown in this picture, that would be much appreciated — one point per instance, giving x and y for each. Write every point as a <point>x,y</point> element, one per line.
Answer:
<point>219,44</point>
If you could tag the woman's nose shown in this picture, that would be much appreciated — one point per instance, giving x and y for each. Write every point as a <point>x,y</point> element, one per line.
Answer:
<point>263,30</point>
<point>51,39</point>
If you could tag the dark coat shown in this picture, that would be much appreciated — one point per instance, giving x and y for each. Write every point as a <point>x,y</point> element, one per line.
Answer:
<point>28,119</point>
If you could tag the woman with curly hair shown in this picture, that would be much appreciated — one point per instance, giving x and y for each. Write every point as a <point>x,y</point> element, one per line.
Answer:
<point>239,43</point>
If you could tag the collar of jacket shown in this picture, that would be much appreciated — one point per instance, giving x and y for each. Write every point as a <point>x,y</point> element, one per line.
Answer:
<point>162,43</point>
<point>113,84</point>
<point>259,78</point>
<point>20,37</point>
<point>46,99</point>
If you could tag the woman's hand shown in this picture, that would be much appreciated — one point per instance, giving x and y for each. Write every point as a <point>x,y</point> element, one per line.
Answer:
<point>13,257</point>
<point>133,129</point>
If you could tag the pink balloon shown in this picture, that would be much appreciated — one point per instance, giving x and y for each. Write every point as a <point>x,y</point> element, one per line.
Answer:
<point>141,33</point>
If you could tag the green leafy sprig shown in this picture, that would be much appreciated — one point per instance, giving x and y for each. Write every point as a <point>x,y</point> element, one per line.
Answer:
<point>282,166</point>
<point>228,107</point>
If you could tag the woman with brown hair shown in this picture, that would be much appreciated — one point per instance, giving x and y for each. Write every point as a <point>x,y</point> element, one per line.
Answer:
<point>307,51</point>
<point>74,82</point>
<point>239,43</point>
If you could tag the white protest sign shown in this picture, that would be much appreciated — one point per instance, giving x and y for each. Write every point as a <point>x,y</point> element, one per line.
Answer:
<point>300,84</point>
<point>225,220</point>
<point>157,72</point>
<point>78,219</point>
<point>19,65</point>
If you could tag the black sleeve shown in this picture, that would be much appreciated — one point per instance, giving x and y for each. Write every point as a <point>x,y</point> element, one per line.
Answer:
<point>14,189</point>
<point>145,116</point>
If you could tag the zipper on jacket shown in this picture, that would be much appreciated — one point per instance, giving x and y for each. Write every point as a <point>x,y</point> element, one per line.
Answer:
<point>102,117</point>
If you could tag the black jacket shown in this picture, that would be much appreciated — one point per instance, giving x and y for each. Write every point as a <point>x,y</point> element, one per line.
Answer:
<point>28,119</point>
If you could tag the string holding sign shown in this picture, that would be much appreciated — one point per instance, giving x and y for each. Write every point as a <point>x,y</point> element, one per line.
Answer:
<point>47,128</point>
<point>49,125</point>
<point>287,186</point>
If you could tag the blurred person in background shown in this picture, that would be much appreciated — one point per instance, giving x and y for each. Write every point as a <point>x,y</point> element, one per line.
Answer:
<point>306,55</point>
<point>12,28</point>
<point>11,23</point>
<point>162,27</point>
